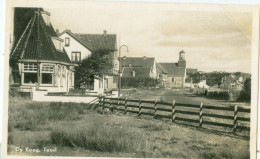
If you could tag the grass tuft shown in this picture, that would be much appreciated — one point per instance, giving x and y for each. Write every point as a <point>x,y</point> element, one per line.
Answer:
<point>31,115</point>
<point>95,137</point>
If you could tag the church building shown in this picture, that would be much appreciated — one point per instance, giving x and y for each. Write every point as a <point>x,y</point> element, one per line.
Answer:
<point>176,72</point>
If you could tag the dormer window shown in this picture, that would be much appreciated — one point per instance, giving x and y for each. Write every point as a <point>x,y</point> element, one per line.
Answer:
<point>67,41</point>
<point>58,43</point>
<point>46,17</point>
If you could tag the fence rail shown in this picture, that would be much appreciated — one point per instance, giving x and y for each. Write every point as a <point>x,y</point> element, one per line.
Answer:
<point>153,108</point>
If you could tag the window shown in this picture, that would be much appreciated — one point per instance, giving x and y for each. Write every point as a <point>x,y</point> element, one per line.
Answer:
<point>47,74</point>
<point>75,56</point>
<point>46,78</point>
<point>30,78</point>
<point>67,41</point>
<point>57,43</point>
<point>30,67</point>
<point>48,68</point>
<point>30,73</point>
<point>172,79</point>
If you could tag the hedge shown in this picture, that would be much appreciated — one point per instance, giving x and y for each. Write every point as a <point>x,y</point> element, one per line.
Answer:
<point>224,95</point>
<point>132,82</point>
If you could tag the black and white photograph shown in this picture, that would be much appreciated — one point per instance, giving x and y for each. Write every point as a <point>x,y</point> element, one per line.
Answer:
<point>130,80</point>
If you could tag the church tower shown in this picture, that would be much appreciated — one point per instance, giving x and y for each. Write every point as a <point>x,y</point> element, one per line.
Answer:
<point>182,61</point>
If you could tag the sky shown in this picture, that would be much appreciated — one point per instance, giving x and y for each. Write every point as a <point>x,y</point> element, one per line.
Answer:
<point>214,37</point>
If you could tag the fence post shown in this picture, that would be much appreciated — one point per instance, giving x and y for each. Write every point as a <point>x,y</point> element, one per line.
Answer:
<point>140,107</point>
<point>173,111</point>
<point>235,119</point>
<point>200,115</point>
<point>125,105</point>
<point>155,108</point>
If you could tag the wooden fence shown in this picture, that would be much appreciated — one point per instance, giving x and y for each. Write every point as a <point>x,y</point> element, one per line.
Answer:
<point>174,115</point>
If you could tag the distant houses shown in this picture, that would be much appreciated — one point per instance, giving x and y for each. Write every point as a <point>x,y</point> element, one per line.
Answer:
<point>176,72</point>
<point>190,71</point>
<point>138,67</point>
<point>171,75</point>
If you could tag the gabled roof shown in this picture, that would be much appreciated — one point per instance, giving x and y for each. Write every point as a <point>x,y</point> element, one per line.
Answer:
<point>94,42</point>
<point>29,48</point>
<point>99,41</point>
<point>87,45</point>
<point>160,68</point>
<point>147,62</point>
<point>173,69</point>
<point>139,71</point>
<point>191,70</point>
<point>22,16</point>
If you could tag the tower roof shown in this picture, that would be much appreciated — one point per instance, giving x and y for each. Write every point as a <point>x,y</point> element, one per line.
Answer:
<point>182,51</point>
<point>35,43</point>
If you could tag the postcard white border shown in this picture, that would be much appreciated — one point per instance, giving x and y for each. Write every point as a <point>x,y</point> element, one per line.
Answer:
<point>67,3</point>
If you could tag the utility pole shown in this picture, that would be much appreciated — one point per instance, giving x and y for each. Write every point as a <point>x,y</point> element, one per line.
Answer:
<point>38,49</point>
<point>119,71</point>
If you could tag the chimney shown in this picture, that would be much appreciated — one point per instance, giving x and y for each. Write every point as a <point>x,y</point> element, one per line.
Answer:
<point>104,32</point>
<point>57,31</point>
<point>124,57</point>
<point>144,57</point>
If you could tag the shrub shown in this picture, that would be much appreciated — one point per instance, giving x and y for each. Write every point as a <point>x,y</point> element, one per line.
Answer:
<point>14,92</point>
<point>245,94</point>
<point>224,95</point>
<point>10,139</point>
<point>132,82</point>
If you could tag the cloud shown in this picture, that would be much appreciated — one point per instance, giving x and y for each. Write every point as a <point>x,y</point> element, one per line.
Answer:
<point>216,39</point>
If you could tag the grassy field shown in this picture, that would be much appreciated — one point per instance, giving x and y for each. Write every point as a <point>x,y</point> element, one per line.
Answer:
<point>71,129</point>
<point>179,95</point>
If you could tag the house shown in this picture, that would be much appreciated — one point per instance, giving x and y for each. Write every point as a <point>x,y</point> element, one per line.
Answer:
<point>138,67</point>
<point>176,72</point>
<point>161,74</point>
<point>190,71</point>
<point>37,58</point>
<point>202,84</point>
<point>79,46</point>
<point>232,82</point>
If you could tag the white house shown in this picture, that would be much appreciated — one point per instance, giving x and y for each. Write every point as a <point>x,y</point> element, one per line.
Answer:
<point>80,46</point>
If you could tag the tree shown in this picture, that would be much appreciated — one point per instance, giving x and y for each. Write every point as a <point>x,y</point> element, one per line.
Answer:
<point>215,78</point>
<point>212,78</point>
<point>245,94</point>
<point>97,64</point>
<point>197,77</point>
